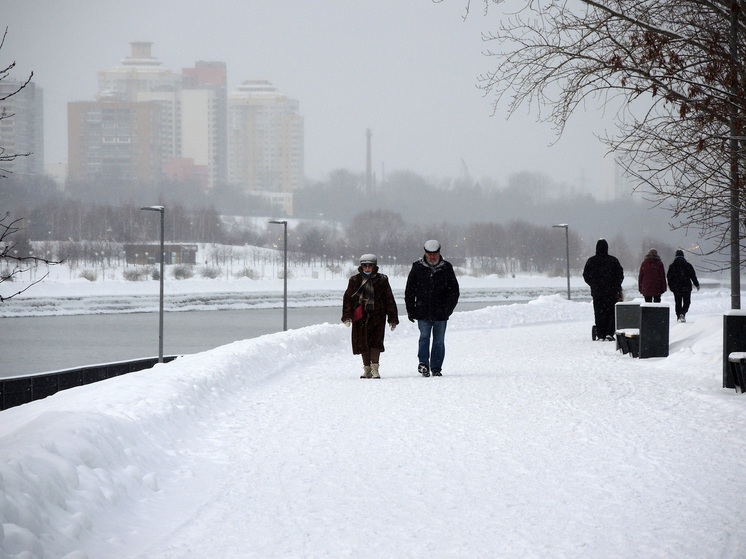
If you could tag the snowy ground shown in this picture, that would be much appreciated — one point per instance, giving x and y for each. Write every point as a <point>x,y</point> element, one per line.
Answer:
<point>537,442</point>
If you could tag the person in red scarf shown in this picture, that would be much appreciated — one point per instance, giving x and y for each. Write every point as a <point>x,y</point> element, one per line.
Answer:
<point>367,304</point>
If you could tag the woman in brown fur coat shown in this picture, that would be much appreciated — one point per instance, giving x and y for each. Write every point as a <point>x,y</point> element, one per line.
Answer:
<point>370,294</point>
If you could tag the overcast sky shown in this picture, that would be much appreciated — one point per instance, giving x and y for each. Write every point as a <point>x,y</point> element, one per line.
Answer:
<point>406,69</point>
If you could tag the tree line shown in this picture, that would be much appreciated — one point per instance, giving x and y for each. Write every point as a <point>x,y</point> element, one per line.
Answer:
<point>500,230</point>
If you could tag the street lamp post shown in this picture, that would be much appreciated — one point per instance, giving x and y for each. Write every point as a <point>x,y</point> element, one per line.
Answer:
<point>284,223</point>
<point>567,253</point>
<point>162,211</point>
<point>735,203</point>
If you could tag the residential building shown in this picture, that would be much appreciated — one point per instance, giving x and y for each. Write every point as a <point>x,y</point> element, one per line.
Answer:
<point>265,139</point>
<point>203,108</point>
<point>187,125</point>
<point>136,74</point>
<point>111,138</point>
<point>192,104</point>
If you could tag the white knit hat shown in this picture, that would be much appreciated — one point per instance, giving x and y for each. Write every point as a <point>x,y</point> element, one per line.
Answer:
<point>432,246</point>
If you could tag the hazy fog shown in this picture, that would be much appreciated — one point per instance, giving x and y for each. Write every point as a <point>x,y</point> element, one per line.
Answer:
<point>405,69</point>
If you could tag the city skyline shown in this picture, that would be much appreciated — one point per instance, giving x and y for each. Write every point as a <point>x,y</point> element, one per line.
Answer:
<point>407,71</point>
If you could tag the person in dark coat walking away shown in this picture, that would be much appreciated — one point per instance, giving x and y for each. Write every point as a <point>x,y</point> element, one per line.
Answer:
<point>604,274</point>
<point>431,295</point>
<point>681,276</point>
<point>651,280</point>
<point>370,293</point>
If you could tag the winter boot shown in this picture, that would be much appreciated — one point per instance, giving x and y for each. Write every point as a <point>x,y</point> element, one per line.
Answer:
<point>366,372</point>
<point>437,373</point>
<point>374,370</point>
<point>423,369</point>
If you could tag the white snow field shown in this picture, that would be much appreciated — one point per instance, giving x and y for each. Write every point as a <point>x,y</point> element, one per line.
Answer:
<point>537,442</point>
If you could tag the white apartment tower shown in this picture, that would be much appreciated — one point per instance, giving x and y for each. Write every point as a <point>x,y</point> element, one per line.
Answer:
<point>265,138</point>
<point>22,127</point>
<point>204,100</point>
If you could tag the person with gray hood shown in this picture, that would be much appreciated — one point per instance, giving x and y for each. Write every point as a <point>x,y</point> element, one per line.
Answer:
<point>430,296</point>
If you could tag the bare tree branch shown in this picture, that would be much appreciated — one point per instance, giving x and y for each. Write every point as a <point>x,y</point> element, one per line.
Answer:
<point>663,66</point>
<point>16,263</point>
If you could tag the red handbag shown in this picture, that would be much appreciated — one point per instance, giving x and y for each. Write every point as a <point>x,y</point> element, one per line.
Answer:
<point>357,314</point>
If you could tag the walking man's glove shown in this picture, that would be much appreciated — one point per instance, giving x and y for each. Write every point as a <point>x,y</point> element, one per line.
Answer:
<point>392,325</point>
<point>348,322</point>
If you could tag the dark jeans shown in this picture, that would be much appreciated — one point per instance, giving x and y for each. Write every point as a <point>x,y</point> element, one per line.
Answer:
<point>434,358</point>
<point>682,300</point>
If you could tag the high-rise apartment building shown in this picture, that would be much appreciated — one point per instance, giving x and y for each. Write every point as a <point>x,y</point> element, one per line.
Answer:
<point>265,139</point>
<point>203,113</point>
<point>110,138</point>
<point>22,127</point>
<point>131,127</point>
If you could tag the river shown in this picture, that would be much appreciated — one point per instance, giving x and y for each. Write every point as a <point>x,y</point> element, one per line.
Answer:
<point>37,344</point>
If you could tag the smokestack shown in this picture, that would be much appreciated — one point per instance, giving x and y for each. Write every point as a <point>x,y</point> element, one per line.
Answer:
<point>368,170</point>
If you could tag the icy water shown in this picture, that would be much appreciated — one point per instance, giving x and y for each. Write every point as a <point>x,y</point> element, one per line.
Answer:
<point>38,344</point>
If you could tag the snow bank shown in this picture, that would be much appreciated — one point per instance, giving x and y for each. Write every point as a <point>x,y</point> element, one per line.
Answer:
<point>537,442</point>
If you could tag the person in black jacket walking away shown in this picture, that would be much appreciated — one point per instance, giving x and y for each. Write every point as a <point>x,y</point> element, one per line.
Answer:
<point>604,274</point>
<point>681,276</point>
<point>430,296</point>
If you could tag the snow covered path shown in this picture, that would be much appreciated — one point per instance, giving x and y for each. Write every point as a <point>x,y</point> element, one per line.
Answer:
<point>537,442</point>
<point>525,459</point>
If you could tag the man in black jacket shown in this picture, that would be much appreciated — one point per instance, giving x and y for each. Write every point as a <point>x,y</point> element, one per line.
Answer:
<point>681,276</point>
<point>431,295</point>
<point>604,274</point>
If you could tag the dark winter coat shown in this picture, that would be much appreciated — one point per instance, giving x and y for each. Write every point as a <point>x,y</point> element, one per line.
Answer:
<point>681,275</point>
<point>432,291</point>
<point>603,273</point>
<point>651,280</point>
<point>369,331</point>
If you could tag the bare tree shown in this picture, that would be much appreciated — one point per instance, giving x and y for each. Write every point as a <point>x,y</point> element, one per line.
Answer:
<point>14,263</point>
<point>5,156</point>
<point>665,67</point>
<point>379,232</point>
